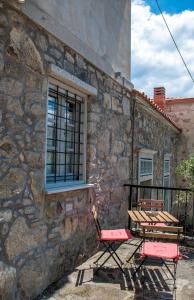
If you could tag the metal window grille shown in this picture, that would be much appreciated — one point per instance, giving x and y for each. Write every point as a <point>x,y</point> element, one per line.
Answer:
<point>145,166</point>
<point>65,137</point>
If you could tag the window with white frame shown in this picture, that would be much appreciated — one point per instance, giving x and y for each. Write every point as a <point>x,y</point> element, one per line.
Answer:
<point>146,165</point>
<point>146,160</point>
<point>65,137</point>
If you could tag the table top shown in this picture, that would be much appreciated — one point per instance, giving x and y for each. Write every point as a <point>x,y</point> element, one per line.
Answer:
<point>144,216</point>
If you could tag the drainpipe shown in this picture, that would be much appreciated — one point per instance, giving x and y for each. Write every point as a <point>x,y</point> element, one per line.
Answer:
<point>132,136</point>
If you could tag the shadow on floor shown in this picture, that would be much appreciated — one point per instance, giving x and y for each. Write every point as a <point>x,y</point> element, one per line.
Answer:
<point>147,284</point>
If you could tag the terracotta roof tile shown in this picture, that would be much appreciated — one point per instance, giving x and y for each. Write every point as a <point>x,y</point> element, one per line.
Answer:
<point>156,107</point>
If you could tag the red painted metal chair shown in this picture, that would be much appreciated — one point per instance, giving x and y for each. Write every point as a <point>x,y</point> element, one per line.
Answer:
<point>163,251</point>
<point>109,237</point>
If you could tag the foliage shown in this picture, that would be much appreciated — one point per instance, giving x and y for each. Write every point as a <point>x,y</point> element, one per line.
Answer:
<point>186,170</point>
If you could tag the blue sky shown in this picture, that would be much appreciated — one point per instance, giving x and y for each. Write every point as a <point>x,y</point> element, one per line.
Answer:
<point>155,61</point>
<point>171,6</point>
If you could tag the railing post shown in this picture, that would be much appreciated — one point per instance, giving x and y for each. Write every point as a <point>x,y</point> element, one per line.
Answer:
<point>193,210</point>
<point>185,216</point>
<point>129,205</point>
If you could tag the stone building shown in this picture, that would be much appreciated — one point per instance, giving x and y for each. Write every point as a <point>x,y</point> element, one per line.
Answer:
<point>73,131</point>
<point>181,111</point>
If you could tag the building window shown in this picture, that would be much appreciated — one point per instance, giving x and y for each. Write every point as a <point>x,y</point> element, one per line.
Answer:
<point>145,177</point>
<point>65,137</point>
<point>146,167</point>
<point>146,158</point>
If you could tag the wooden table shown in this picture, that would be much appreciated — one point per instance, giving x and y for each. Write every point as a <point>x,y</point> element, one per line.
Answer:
<point>145,217</point>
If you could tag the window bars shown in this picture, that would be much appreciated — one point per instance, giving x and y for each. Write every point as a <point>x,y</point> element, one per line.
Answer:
<point>65,136</point>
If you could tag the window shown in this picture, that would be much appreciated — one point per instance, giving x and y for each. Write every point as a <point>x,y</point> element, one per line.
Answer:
<point>145,175</point>
<point>146,158</point>
<point>65,137</point>
<point>145,167</point>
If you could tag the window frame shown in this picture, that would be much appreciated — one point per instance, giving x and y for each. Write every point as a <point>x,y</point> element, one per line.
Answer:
<point>63,184</point>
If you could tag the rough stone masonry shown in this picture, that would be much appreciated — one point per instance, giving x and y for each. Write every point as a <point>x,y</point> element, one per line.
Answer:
<point>44,235</point>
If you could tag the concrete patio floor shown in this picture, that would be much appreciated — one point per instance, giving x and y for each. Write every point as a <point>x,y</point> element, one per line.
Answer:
<point>109,283</point>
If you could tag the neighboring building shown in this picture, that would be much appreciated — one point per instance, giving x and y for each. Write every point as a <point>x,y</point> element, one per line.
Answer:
<point>71,135</point>
<point>181,111</point>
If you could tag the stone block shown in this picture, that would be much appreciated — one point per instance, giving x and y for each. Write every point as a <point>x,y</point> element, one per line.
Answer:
<point>13,183</point>
<point>6,215</point>
<point>69,227</point>
<point>92,129</point>
<point>91,150</point>
<point>33,276</point>
<point>126,106</point>
<point>107,101</point>
<point>33,81</point>
<point>14,106</point>
<point>118,147</point>
<point>11,86</point>
<point>8,283</point>
<point>29,210</point>
<point>23,49</point>
<point>20,239</point>
<point>103,143</point>
<point>36,184</point>
<point>123,168</point>
<point>116,105</point>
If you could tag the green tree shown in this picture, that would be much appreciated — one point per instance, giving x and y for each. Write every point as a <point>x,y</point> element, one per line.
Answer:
<point>186,170</point>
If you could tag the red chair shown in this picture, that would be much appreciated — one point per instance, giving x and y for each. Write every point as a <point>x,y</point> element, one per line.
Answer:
<point>109,238</point>
<point>162,251</point>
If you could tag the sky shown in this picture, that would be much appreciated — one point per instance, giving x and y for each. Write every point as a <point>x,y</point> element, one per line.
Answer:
<point>155,60</point>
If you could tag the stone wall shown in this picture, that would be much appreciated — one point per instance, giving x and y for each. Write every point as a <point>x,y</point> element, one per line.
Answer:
<point>44,235</point>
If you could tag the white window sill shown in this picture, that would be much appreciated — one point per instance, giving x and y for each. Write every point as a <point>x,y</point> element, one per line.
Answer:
<point>68,188</point>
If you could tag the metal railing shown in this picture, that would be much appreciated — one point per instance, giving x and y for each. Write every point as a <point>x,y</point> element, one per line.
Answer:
<point>177,201</point>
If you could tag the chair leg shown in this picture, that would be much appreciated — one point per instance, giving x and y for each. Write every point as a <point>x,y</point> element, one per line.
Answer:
<point>143,261</point>
<point>169,270</point>
<point>128,260</point>
<point>175,268</point>
<point>112,254</point>
<point>116,253</point>
<point>106,250</point>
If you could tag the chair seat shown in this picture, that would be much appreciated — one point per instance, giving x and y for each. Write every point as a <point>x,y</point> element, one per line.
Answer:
<point>160,250</point>
<point>115,235</point>
<point>156,224</point>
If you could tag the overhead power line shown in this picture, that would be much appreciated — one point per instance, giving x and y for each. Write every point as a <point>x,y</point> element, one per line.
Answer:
<point>181,56</point>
